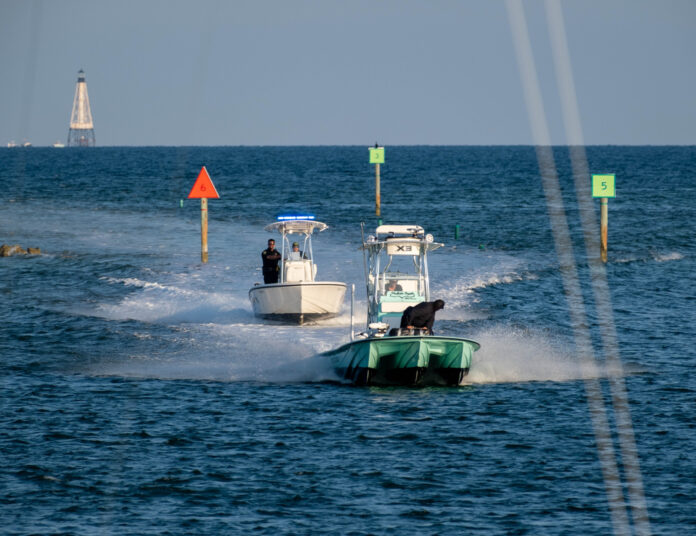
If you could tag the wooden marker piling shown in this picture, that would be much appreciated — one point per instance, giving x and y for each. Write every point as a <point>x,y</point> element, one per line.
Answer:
<point>377,158</point>
<point>604,227</point>
<point>203,189</point>
<point>378,201</point>
<point>604,187</point>
<point>204,229</point>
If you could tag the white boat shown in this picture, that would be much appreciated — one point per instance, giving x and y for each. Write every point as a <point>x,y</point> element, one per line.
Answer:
<point>297,297</point>
<point>58,145</point>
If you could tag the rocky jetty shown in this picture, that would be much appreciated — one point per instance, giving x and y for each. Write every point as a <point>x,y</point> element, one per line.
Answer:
<point>7,250</point>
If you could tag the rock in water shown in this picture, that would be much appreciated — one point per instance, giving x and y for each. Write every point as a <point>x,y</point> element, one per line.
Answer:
<point>34,251</point>
<point>8,251</point>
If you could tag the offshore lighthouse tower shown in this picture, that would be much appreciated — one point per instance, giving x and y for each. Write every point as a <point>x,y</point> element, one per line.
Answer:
<point>81,133</point>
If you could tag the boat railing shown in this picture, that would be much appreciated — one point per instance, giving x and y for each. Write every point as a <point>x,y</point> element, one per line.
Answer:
<point>401,332</point>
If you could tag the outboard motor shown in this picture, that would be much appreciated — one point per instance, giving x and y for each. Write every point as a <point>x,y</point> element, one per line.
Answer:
<point>414,331</point>
<point>379,328</point>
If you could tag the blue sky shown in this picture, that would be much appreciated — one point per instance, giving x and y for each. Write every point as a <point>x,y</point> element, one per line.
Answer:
<point>329,72</point>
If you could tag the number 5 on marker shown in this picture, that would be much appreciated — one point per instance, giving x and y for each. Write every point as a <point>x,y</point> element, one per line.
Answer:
<point>603,186</point>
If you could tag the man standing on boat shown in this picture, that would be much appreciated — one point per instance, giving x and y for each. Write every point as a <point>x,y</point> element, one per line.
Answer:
<point>421,315</point>
<point>296,254</point>
<point>270,258</point>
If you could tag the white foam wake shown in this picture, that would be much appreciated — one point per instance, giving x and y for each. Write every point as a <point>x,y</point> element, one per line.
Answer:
<point>666,257</point>
<point>236,352</point>
<point>513,356</point>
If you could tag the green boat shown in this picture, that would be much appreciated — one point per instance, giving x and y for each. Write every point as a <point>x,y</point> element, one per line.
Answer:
<point>396,270</point>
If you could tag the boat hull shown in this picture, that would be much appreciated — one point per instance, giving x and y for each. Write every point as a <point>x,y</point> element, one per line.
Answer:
<point>404,360</point>
<point>298,302</point>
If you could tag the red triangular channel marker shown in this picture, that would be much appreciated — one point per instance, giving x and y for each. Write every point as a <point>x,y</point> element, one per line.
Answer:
<point>203,187</point>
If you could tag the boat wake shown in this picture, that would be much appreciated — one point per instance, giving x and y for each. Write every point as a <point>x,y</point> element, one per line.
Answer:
<point>653,256</point>
<point>202,334</point>
<point>279,354</point>
<point>173,303</point>
<point>513,356</point>
<point>666,257</point>
<point>199,332</point>
<point>229,353</point>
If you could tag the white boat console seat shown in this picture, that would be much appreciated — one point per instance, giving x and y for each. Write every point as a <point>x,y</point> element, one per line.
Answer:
<point>397,301</point>
<point>298,271</point>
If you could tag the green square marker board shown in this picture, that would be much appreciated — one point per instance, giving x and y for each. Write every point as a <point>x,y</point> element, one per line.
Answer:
<point>603,186</point>
<point>376,155</point>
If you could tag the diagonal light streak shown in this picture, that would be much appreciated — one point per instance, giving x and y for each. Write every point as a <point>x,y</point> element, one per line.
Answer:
<point>598,275</point>
<point>571,282</point>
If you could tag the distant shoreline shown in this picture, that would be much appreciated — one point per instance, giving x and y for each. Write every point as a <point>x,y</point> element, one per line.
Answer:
<point>338,145</point>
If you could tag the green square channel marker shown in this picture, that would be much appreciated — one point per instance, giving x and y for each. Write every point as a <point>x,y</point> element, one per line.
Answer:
<point>376,155</point>
<point>603,186</point>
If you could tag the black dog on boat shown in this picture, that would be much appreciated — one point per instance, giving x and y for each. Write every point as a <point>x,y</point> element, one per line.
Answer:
<point>421,315</point>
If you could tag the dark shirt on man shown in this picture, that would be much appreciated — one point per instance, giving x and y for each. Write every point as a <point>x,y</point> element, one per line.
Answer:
<point>270,258</point>
<point>421,315</point>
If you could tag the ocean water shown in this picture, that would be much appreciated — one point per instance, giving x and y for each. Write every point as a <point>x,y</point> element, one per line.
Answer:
<point>141,396</point>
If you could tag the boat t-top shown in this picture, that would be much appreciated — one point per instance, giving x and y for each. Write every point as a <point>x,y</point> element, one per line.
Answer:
<point>298,296</point>
<point>396,275</point>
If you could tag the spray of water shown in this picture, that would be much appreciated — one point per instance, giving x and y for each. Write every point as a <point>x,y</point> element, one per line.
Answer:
<point>510,355</point>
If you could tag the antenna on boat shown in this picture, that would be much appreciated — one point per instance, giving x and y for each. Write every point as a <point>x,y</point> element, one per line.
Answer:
<point>352,308</point>
<point>367,271</point>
